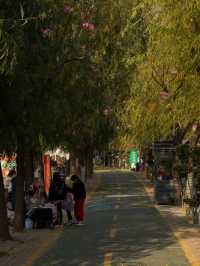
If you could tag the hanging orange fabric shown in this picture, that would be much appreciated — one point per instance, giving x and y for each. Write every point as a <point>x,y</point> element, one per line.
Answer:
<point>47,173</point>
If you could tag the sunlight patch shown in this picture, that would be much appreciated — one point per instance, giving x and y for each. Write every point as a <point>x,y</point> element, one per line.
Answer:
<point>124,195</point>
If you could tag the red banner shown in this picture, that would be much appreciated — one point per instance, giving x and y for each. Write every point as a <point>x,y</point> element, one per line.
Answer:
<point>47,173</point>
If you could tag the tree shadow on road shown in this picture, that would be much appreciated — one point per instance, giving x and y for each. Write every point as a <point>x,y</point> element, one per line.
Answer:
<point>134,240</point>
<point>141,234</point>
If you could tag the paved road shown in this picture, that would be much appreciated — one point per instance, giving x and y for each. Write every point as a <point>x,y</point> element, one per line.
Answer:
<point>122,229</point>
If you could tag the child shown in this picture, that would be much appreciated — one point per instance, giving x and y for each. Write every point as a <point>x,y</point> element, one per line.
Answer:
<point>57,193</point>
<point>68,205</point>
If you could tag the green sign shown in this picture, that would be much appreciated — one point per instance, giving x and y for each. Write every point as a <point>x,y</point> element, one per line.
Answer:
<point>134,158</point>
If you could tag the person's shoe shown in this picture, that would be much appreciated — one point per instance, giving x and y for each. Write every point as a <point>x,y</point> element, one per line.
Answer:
<point>79,223</point>
<point>70,223</point>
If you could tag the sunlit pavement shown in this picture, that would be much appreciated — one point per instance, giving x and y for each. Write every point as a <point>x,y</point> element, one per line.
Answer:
<point>122,228</point>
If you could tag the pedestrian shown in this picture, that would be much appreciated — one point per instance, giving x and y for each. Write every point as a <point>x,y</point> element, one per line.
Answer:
<point>79,193</point>
<point>137,167</point>
<point>68,204</point>
<point>57,193</point>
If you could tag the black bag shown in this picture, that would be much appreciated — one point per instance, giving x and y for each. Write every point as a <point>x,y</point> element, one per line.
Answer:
<point>41,217</point>
<point>59,189</point>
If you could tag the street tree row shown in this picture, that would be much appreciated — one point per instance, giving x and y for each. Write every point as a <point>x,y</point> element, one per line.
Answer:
<point>161,42</point>
<point>59,82</point>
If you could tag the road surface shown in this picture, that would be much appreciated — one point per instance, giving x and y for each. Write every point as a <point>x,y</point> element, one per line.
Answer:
<point>122,228</point>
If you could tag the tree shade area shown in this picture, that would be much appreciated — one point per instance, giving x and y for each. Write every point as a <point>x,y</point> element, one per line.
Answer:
<point>88,75</point>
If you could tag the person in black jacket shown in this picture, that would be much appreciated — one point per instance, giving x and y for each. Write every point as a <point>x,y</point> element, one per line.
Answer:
<point>57,193</point>
<point>79,192</point>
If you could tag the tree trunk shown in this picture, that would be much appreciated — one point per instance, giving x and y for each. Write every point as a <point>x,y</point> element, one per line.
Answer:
<point>90,164</point>
<point>75,165</point>
<point>72,164</point>
<point>20,204</point>
<point>78,167</point>
<point>181,132</point>
<point>4,227</point>
<point>29,168</point>
<point>68,167</point>
<point>89,167</point>
<point>86,167</point>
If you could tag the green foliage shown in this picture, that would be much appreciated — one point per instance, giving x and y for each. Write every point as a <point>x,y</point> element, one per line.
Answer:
<point>50,64</point>
<point>59,76</point>
<point>168,33</point>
